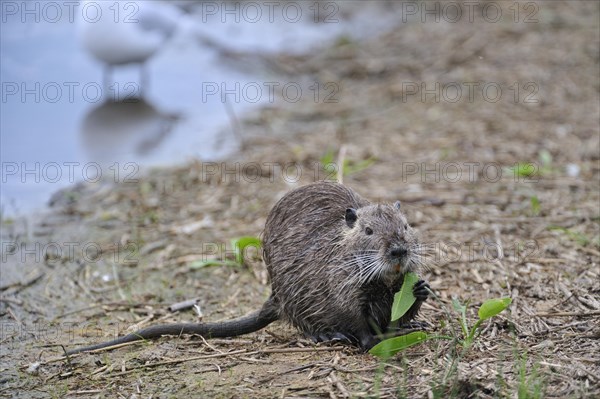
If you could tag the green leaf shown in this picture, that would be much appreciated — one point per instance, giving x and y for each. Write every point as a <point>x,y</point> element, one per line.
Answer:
<point>390,347</point>
<point>240,244</point>
<point>524,169</point>
<point>327,158</point>
<point>535,205</point>
<point>351,167</point>
<point>404,298</point>
<point>545,158</point>
<point>492,307</point>
<point>581,239</point>
<point>459,307</point>
<point>462,309</point>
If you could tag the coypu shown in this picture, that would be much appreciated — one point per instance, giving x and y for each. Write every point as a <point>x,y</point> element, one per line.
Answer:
<point>335,262</point>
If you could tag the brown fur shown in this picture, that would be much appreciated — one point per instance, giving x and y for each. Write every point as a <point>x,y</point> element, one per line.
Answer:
<point>317,262</point>
<point>330,278</point>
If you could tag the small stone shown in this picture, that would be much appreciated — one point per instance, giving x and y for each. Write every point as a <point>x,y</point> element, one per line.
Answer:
<point>33,368</point>
<point>573,170</point>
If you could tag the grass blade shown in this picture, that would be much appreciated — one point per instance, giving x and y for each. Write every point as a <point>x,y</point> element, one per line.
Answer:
<point>389,347</point>
<point>240,244</point>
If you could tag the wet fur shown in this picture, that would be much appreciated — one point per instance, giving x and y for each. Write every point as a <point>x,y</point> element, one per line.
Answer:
<point>319,266</point>
<point>329,278</point>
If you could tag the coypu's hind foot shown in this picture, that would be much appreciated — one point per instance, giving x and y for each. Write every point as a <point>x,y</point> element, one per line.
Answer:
<point>332,337</point>
<point>365,342</point>
<point>411,326</point>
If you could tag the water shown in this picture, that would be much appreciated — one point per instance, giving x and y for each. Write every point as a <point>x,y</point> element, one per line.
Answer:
<point>60,123</point>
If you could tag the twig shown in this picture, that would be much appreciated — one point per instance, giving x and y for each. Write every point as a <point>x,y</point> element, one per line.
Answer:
<point>233,120</point>
<point>232,298</point>
<point>591,375</point>
<point>562,327</point>
<point>61,358</point>
<point>291,350</point>
<point>177,361</point>
<point>300,368</point>
<point>19,286</point>
<point>85,392</point>
<point>568,314</point>
<point>105,307</point>
<point>333,379</point>
<point>118,281</point>
<point>70,312</point>
<point>282,350</point>
<point>14,316</point>
<point>11,300</point>
<point>183,305</point>
<point>590,251</point>
<point>254,360</point>
<point>139,324</point>
<point>340,163</point>
<point>101,369</point>
<point>210,346</point>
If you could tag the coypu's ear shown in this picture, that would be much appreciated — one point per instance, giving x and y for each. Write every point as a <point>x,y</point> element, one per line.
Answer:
<point>350,217</point>
<point>397,205</point>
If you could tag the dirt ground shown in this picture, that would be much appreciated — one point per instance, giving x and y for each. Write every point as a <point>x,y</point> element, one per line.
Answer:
<point>528,232</point>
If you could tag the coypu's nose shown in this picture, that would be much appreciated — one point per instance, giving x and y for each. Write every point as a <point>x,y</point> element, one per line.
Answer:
<point>398,252</point>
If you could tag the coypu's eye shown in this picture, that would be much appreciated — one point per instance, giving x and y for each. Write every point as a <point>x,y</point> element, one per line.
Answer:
<point>368,231</point>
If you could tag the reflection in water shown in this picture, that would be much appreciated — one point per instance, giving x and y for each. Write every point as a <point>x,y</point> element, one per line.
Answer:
<point>118,129</point>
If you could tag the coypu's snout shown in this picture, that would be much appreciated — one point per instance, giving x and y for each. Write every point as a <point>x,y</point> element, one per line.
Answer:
<point>398,254</point>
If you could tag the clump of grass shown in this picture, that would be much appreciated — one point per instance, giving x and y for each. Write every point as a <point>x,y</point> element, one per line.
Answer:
<point>487,310</point>
<point>524,170</point>
<point>532,385</point>
<point>404,299</point>
<point>535,206</point>
<point>240,247</point>
<point>349,166</point>
<point>579,238</point>
<point>527,170</point>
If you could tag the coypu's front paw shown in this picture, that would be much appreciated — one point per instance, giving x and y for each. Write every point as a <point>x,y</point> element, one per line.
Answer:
<point>421,290</point>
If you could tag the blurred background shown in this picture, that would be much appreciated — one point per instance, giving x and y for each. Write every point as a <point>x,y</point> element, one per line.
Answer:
<point>126,85</point>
